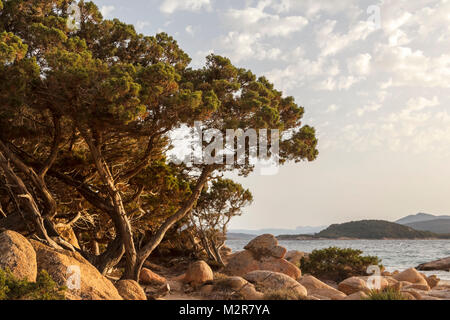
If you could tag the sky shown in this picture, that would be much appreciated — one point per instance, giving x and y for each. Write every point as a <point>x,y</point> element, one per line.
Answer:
<point>373,76</point>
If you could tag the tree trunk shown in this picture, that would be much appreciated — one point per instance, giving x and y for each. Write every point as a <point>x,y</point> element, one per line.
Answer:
<point>216,250</point>
<point>118,214</point>
<point>25,201</point>
<point>111,257</point>
<point>146,250</point>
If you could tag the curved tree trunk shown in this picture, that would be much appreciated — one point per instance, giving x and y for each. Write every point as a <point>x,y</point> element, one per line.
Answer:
<point>146,250</point>
<point>118,213</point>
<point>26,204</point>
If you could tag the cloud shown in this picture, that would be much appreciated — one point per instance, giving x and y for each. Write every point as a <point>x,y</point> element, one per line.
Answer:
<point>331,42</point>
<point>332,108</point>
<point>254,19</point>
<point>359,65</point>
<point>170,6</point>
<point>413,68</point>
<point>141,25</point>
<point>107,10</point>
<point>314,9</point>
<point>190,30</point>
<point>368,108</point>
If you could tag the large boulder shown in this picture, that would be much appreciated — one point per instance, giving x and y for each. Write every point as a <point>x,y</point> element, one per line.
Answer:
<point>442,264</point>
<point>318,288</point>
<point>280,265</point>
<point>130,290</point>
<point>198,273</point>
<point>266,245</point>
<point>241,263</point>
<point>245,261</point>
<point>411,275</point>
<point>269,280</point>
<point>63,267</point>
<point>353,285</point>
<point>18,255</point>
<point>148,277</point>
<point>295,256</point>
<point>240,286</point>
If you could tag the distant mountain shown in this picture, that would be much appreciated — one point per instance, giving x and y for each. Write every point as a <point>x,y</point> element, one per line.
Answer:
<point>441,226</point>
<point>373,229</point>
<point>298,230</point>
<point>420,217</point>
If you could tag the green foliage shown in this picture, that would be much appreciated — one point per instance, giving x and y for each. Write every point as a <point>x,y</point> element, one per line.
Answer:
<point>44,288</point>
<point>386,294</point>
<point>373,229</point>
<point>282,294</point>
<point>337,264</point>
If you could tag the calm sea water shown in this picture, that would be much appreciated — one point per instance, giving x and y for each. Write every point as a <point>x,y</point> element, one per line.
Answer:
<point>395,254</point>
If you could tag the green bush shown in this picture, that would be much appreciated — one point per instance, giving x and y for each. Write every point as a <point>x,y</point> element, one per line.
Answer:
<point>337,264</point>
<point>44,288</point>
<point>386,294</point>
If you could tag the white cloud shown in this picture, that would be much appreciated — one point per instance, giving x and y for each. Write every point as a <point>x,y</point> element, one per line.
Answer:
<point>256,20</point>
<point>331,42</point>
<point>342,83</point>
<point>170,6</point>
<point>190,30</point>
<point>107,10</point>
<point>368,108</point>
<point>359,65</point>
<point>413,68</point>
<point>141,25</point>
<point>332,108</point>
<point>314,9</point>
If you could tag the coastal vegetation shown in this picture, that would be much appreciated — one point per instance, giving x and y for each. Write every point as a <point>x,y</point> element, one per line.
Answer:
<point>44,288</point>
<point>386,294</point>
<point>337,264</point>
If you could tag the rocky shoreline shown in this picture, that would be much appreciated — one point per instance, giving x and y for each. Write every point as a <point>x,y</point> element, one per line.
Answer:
<point>262,271</point>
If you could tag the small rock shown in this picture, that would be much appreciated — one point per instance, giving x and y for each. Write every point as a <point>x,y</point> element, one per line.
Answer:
<point>353,285</point>
<point>148,277</point>
<point>411,275</point>
<point>198,273</point>
<point>433,281</point>
<point>130,290</point>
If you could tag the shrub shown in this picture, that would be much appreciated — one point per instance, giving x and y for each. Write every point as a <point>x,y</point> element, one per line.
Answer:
<point>282,294</point>
<point>44,288</point>
<point>386,294</point>
<point>337,264</point>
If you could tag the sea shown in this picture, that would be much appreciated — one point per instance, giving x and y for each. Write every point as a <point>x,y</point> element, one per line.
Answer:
<point>395,254</point>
